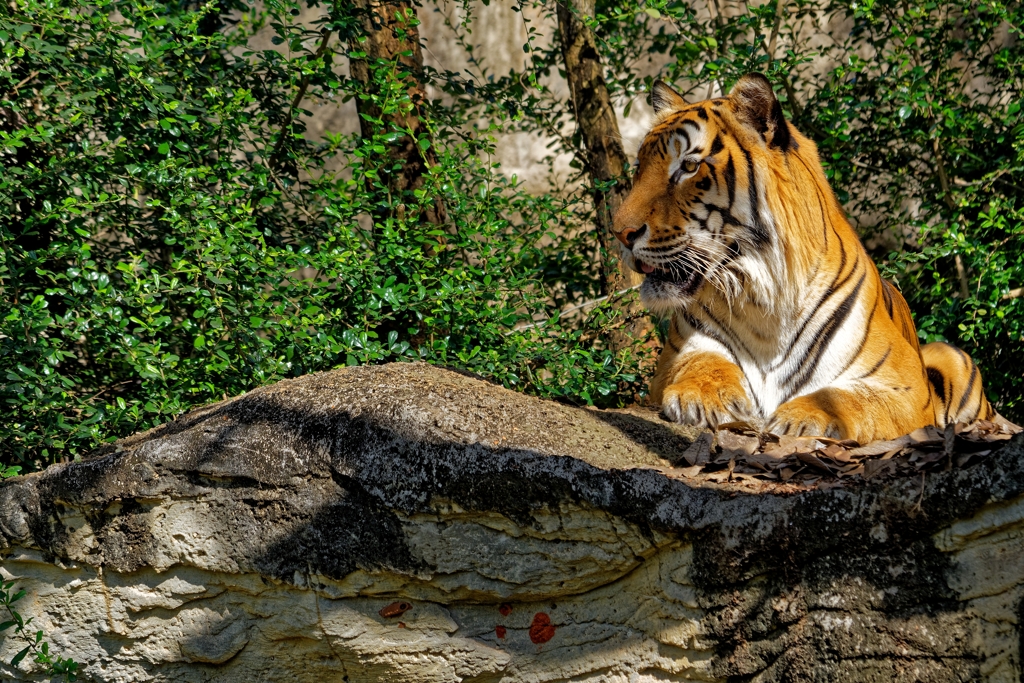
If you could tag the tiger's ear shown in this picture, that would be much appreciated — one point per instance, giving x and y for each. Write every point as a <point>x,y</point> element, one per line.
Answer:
<point>663,97</point>
<point>757,105</point>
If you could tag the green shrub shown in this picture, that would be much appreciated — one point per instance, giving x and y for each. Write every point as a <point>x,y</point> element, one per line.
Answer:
<point>171,236</point>
<point>175,239</point>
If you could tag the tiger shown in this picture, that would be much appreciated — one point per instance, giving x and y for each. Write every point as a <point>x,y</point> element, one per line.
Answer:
<point>776,314</point>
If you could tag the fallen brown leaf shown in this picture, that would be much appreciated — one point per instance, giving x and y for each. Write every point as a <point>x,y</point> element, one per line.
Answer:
<point>875,467</point>
<point>1006,426</point>
<point>964,458</point>
<point>880,447</point>
<point>852,470</point>
<point>765,461</point>
<point>739,444</point>
<point>814,461</point>
<point>926,436</point>
<point>689,471</point>
<point>699,452</point>
<point>837,452</point>
<point>828,441</point>
<point>787,445</point>
<point>948,439</point>
<point>923,458</point>
<point>997,437</point>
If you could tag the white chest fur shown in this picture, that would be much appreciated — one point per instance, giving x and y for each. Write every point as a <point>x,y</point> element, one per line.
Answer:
<point>782,356</point>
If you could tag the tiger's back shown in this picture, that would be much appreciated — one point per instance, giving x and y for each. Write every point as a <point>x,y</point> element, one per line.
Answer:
<point>777,313</point>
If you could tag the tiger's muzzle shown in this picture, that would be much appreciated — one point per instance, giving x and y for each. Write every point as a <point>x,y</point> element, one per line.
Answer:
<point>676,279</point>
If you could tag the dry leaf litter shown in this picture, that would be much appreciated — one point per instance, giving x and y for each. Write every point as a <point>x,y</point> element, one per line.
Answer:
<point>741,455</point>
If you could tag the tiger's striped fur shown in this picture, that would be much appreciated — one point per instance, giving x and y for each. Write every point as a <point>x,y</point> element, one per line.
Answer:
<point>776,313</point>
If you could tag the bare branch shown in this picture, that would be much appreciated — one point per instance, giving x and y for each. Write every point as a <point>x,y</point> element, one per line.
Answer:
<point>274,160</point>
<point>940,169</point>
<point>573,310</point>
<point>780,9</point>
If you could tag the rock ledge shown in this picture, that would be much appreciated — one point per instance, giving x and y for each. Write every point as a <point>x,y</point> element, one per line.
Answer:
<point>262,538</point>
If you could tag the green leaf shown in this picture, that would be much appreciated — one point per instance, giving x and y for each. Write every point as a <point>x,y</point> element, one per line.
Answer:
<point>16,660</point>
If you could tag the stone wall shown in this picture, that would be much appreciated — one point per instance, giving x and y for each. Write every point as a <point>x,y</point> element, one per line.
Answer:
<point>280,536</point>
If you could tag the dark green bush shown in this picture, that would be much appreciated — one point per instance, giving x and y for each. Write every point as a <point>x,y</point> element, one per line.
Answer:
<point>171,236</point>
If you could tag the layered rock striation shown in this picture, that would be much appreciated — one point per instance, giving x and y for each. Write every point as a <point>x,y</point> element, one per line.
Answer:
<point>409,523</point>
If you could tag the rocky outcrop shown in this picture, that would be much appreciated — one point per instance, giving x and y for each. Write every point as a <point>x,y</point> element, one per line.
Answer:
<point>407,523</point>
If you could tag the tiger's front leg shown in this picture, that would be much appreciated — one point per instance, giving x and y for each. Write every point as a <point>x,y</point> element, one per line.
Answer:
<point>700,388</point>
<point>821,413</point>
<point>857,412</point>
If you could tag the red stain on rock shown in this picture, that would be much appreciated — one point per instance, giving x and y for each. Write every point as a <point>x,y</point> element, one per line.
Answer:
<point>505,609</point>
<point>395,609</point>
<point>541,630</point>
<point>499,631</point>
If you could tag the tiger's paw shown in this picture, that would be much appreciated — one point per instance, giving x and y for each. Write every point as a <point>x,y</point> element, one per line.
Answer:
<point>803,417</point>
<point>705,406</point>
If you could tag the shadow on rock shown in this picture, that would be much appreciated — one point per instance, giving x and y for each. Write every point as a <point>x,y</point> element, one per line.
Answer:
<point>650,430</point>
<point>303,481</point>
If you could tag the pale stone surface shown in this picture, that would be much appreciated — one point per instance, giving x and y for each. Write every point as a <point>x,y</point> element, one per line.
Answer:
<point>258,539</point>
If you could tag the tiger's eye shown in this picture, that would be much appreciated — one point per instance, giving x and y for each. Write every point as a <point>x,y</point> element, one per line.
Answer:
<point>691,166</point>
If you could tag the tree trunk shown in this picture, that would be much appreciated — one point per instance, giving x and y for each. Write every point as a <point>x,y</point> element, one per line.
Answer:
<point>605,160</point>
<point>391,34</point>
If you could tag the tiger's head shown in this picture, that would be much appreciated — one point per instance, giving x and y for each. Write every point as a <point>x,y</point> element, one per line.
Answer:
<point>698,221</point>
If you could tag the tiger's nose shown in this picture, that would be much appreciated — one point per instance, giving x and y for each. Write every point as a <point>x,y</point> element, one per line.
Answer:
<point>629,236</point>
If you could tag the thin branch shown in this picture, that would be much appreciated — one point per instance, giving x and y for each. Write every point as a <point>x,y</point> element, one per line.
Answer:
<point>994,178</point>
<point>961,275</point>
<point>15,89</point>
<point>1013,294</point>
<point>791,96</point>
<point>861,164</point>
<point>297,100</point>
<point>780,8</point>
<point>984,269</point>
<point>107,388</point>
<point>940,169</point>
<point>573,310</point>
<point>716,15</point>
